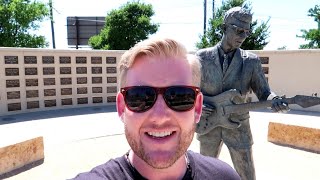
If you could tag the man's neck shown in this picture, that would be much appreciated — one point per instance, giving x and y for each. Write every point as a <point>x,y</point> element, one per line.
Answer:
<point>225,47</point>
<point>176,171</point>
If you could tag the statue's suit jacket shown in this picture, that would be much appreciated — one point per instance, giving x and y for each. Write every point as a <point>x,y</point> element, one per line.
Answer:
<point>244,74</point>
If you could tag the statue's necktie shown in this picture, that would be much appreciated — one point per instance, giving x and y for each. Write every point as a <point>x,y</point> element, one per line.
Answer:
<point>225,64</point>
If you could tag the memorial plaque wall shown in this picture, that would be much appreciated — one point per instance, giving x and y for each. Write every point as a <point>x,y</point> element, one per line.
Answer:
<point>12,71</point>
<point>12,83</point>
<point>111,79</point>
<point>49,92</point>
<point>50,103</point>
<point>96,70</point>
<point>111,99</point>
<point>81,60</point>
<point>47,59</point>
<point>265,70</point>
<point>97,100</point>
<point>30,59</point>
<point>264,60</point>
<point>48,71</point>
<point>66,101</point>
<point>11,59</point>
<point>65,59</point>
<point>83,100</point>
<point>66,91</point>
<point>96,89</point>
<point>32,93</point>
<point>82,80</point>
<point>82,90</point>
<point>33,104</point>
<point>111,70</point>
<point>112,89</point>
<point>96,60</point>
<point>111,60</point>
<point>65,70</point>
<point>49,81</point>
<point>81,70</point>
<point>14,106</point>
<point>65,81</point>
<point>31,82</point>
<point>96,80</point>
<point>13,95</point>
<point>31,71</point>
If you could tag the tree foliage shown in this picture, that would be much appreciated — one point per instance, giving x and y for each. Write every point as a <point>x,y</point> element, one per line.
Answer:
<point>125,27</point>
<point>18,18</point>
<point>312,35</point>
<point>213,35</point>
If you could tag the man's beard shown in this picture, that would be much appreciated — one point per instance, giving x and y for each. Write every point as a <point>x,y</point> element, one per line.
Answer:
<point>183,144</point>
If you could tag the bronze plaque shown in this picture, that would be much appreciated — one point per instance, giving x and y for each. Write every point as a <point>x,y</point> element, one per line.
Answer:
<point>48,70</point>
<point>66,91</point>
<point>111,99</point>
<point>96,89</point>
<point>12,83</point>
<point>83,100</point>
<point>111,79</point>
<point>81,70</point>
<point>66,101</point>
<point>65,70</point>
<point>13,95</point>
<point>96,60</point>
<point>32,93</point>
<point>12,71</point>
<point>65,81</point>
<point>96,70</point>
<point>112,89</point>
<point>31,82</point>
<point>49,92</point>
<point>33,104</point>
<point>14,106</point>
<point>97,100</point>
<point>47,59</point>
<point>111,70</point>
<point>265,70</point>
<point>111,60</point>
<point>264,60</point>
<point>82,90</point>
<point>82,80</point>
<point>11,59</point>
<point>81,60</point>
<point>50,103</point>
<point>31,71</point>
<point>65,59</point>
<point>96,80</point>
<point>30,59</point>
<point>49,81</point>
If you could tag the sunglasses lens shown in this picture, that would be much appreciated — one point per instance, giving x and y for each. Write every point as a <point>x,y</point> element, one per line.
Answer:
<point>180,98</point>
<point>139,99</point>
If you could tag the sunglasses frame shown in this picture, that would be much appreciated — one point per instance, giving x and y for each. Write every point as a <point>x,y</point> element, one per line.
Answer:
<point>237,29</point>
<point>159,90</point>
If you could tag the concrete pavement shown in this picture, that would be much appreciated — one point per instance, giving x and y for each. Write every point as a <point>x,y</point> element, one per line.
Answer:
<point>77,140</point>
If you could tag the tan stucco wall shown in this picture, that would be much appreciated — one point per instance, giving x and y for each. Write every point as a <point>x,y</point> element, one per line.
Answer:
<point>290,73</point>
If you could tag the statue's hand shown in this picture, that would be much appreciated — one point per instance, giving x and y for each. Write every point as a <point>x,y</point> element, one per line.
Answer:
<point>207,110</point>
<point>279,105</point>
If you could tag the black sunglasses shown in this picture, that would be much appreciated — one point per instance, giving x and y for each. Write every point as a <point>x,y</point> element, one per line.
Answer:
<point>177,98</point>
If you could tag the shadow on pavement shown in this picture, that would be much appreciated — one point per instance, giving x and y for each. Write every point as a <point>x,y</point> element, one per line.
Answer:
<point>56,113</point>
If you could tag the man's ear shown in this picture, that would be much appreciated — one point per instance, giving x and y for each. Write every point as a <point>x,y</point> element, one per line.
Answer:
<point>198,107</point>
<point>224,28</point>
<point>120,105</point>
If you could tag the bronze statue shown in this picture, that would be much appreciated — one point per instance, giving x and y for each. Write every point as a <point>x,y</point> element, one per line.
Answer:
<point>228,74</point>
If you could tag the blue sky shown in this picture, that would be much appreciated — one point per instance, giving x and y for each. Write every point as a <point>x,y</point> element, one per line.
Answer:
<point>183,19</point>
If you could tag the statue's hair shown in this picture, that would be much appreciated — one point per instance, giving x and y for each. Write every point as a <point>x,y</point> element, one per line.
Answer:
<point>238,13</point>
<point>163,49</point>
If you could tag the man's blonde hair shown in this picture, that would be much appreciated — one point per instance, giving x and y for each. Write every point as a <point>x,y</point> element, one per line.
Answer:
<point>162,49</point>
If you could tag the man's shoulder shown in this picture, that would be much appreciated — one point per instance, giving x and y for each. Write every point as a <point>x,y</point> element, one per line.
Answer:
<point>113,169</point>
<point>248,54</point>
<point>208,167</point>
<point>205,51</point>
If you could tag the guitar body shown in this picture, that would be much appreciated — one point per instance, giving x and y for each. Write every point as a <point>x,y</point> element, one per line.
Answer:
<point>218,117</point>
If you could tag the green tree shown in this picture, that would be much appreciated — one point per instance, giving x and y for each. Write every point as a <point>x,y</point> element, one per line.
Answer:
<point>125,27</point>
<point>313,35</point>
<point>18,18</point>
<point>213,35</point>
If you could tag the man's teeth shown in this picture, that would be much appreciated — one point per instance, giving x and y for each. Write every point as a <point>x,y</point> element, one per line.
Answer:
<point>159,134</point>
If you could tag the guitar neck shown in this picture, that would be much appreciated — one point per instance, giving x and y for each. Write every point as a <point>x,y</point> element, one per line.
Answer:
<point>238,108</point>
